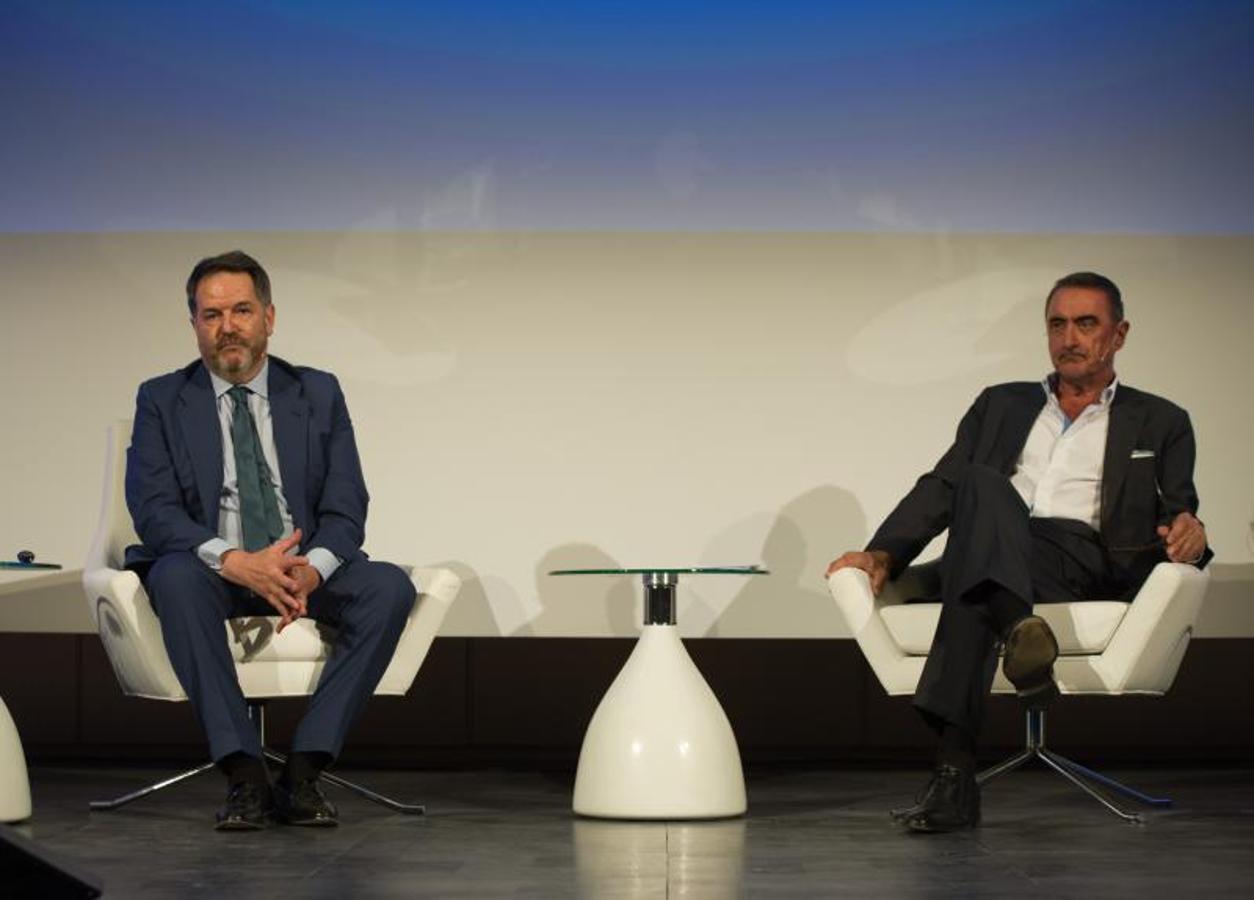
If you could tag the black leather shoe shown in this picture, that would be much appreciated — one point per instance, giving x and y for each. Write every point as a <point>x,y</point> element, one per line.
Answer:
<point>921,801</point>
<point>1031,649</point>
<point>304,804</point>
<point>951,802</point>
<point>248,807</point>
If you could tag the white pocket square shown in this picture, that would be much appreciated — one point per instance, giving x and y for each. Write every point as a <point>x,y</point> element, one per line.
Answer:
<point>1142,454</point>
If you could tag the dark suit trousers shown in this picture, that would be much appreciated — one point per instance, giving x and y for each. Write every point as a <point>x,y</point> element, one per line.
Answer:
<point>366,602</point>
<point>998,561</point>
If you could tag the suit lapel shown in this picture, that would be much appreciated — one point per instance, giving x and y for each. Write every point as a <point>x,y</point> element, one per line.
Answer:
<point>289,413</point>
<point>1126,415</point>
<point>202,435</point>
<point>1019,421</point>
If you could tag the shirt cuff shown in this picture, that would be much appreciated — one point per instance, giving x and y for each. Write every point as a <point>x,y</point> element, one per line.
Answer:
<point>324,561</point>
<point>210,552</point>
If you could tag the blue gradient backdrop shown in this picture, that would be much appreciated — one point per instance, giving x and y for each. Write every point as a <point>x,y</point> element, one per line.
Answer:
<point>1053,115</point>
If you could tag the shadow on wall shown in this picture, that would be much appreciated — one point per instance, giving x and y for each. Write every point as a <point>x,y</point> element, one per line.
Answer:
<point>564,606</point>
<point>486,604</point>
<point>584,604</point>
<point>807,533</point>
<point>472,602</point>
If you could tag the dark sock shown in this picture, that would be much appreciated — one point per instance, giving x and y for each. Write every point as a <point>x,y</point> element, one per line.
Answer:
<point>957,748</point>
<point>1005,608</point>
<point>303,765</point>
<point>240,768</point>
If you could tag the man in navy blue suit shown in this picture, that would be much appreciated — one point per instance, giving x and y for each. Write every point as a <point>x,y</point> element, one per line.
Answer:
<point>247,494</point>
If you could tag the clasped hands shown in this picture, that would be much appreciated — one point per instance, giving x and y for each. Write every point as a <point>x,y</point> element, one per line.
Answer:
<point>284,581</point>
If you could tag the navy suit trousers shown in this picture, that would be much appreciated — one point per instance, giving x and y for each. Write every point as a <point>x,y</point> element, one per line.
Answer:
<point>366,602</point>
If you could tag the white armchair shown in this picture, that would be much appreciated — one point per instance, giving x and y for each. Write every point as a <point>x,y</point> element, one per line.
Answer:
<point>1105,647</point>
<point>269,664</point>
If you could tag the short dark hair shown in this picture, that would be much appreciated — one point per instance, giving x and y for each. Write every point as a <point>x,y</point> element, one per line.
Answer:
<point>232,261</point>
<point>1091,280</point>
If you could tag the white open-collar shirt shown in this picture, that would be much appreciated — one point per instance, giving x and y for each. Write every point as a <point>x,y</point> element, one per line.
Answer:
<point>1059,473</point>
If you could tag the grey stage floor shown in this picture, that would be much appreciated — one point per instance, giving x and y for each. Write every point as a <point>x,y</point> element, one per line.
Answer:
<point>807,834</point>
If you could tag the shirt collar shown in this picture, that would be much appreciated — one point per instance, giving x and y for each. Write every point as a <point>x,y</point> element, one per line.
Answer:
<point>1051,397</point>
<point>260,384</point>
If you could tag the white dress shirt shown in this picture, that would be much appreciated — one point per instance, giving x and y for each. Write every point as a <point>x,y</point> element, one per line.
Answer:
<point>1059,473</point>
<point>230,525</point>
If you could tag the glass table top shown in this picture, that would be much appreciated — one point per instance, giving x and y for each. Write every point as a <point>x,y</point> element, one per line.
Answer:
<point>682,570</point>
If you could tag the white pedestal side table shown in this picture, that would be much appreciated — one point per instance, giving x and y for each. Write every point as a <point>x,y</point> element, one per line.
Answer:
<point>14,781</point>
<point>659,745</point>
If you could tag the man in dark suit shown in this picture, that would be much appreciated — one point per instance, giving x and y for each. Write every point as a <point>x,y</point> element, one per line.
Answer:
<point>1068,489</point>
<point>246,491</point>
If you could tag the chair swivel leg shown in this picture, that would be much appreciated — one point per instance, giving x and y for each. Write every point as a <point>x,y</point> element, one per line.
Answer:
<point>1077,774</point>
<point>256,712</point>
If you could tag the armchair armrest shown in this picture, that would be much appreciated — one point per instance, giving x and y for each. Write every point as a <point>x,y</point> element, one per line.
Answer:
<point>437,588</point>
<point>1146,649</point>
<point>131,634</point>
<point>851,589</point>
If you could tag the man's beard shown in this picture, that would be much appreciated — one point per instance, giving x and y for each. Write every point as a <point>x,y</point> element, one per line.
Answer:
<point>233,363</point>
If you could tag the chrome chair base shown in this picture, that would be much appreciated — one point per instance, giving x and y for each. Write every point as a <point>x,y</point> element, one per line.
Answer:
<point>1077,774</point>
<point>257,713</point>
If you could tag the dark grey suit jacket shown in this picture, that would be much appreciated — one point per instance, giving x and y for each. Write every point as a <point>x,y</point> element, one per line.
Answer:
<point>1138,493</point>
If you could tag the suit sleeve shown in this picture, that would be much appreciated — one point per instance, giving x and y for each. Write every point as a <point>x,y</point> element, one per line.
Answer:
<point>339,510</point>
<point>1176,491</point>
<point>926,510</point>
<point>156,500</point>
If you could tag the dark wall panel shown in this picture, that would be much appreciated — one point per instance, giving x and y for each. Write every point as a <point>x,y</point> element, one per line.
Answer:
<point>39,681</point>
<point>526,702</point>
<point>110,722</point>
<point>539,692</point>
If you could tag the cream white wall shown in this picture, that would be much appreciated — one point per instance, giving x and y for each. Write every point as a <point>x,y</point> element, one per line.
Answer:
<point>527,401</point>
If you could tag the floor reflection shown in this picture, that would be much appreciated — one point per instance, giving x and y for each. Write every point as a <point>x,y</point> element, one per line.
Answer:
<point>651,859</point>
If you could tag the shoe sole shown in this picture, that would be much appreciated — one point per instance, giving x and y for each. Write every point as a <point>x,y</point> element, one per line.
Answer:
<point>1031,650</point>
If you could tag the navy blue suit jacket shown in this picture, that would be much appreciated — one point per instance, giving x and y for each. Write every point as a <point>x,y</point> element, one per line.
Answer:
<point>1139,492</point>
<point>174,464</point>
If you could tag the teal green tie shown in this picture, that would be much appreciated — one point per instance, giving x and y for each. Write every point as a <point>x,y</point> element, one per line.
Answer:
<point>258,505</point>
